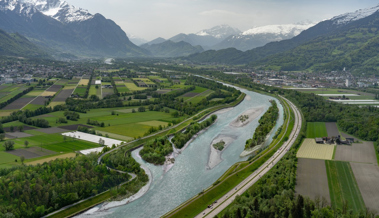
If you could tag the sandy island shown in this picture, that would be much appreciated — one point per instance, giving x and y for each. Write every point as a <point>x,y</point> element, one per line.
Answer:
<point>252,114</point>
<point>248,152</point>
<point>215,155</point>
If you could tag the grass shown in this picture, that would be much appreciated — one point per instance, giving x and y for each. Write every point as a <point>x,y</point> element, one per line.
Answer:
<point>81,90</point>
<point>116,136</point>
<point>131,130</point>
<point>316,130</point>
<point>343,187</point>
<point>310,149</point>
<point>32,107</point>
<point>12,91</point>
<point>53,104</point>
<point>154,123</point>
<point>70,146</point>
<point>41,161</point>
<point>6,158</point>
<point>132,87</point>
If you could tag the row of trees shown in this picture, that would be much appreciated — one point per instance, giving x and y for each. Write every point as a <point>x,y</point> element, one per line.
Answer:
<point>181,138</point>
<point>14,98</point>
<point>155,150</point>
<point>266,123</point>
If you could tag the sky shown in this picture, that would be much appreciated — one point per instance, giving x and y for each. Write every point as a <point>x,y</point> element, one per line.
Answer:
<point>149,19</point>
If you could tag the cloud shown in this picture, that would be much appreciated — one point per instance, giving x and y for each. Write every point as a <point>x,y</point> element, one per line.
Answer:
<point>217,13</point>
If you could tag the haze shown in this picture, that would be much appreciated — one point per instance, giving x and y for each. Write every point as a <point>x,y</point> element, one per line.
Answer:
<point>150,19</point>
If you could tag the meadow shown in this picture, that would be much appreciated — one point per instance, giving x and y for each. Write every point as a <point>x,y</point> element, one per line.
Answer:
<point>343,187</point>
<point>316,130</point>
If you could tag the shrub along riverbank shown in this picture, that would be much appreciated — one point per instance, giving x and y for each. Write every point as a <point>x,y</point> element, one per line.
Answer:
<point>154,151</point>
<point>180,139</point>
<point>266,123</point>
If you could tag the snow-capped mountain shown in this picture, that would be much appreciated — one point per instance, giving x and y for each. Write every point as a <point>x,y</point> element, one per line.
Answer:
<point>208,37</point>
<point>60,10</point>
<point>219,32</point>
<point>353,16</point>
<point>259,36</point>
<point>64,28</point>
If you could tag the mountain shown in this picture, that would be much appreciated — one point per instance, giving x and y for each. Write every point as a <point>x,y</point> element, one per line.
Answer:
<point>260,36</point>
<point>354,46</point>
<point>17,45</point>
<point>172,49</point>
<point>63,28</point>
<point>208,37</point>
<point>136,40</point>
<point>324,28</point>
<point>156,41</point>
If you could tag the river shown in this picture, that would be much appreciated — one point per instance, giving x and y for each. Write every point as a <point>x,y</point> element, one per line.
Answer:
<point>190,175</point>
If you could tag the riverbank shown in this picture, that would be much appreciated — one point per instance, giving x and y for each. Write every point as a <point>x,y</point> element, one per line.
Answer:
<point>215,155</point>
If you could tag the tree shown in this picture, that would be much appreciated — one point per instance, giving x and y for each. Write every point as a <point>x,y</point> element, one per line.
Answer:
<point>2,137</point>
<point>175,114</point>
<point>12,128</point>
<point>101,142</point>
<point>133,111</point>
<point>141,109</point>
<point>22,159</point>
<point>26,143</point>
<point>1,128</point>
<point>8,145</point>
<point>21,128</point>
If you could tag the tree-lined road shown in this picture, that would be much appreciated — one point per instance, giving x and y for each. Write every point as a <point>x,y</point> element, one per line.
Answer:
<point>228,198</point>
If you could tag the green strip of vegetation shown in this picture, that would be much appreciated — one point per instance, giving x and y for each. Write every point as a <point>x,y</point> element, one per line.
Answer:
<point>316,129</point>
<point>231,178</point>
<point>343,188</point>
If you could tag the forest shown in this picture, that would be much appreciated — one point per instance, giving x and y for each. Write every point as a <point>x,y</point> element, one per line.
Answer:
<point>181,138</point>
<point>266,123</point>
<point>154,151</point>
<point>34,191</point>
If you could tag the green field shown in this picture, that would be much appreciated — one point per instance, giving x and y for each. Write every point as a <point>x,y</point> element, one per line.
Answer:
<point>343,187</point>
<point>10,91</point>
<point>32,107</point>
<point>6,158</point>
<point>122,89</point>
<point>80,90</point>
<point>132,87</point>
<point>316,129</point>
<point>70,146</point>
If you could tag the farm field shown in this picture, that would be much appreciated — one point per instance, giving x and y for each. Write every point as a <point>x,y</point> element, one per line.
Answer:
<point>343,186</point>
<point>357,152</point>
<point>316,130</point>
<point>68,155</point>
<point>310,149</point>
<point>8,91</point>
<point>311,179</point>
<point>83,82</point>
<point>332,129</point>
<point>132,87</point>
<point>367,178</point>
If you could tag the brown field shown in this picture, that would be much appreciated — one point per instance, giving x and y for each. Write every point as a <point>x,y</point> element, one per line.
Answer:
<point>84,82</point>
<point>367,176</point>
<point>163,91</point>
<point>54,88</point>
<point>69,155</point>
<point>8,129</point>
<point>119,82</point>
<point>357,152</point>
<point>52,130</point>
<point>332,129</point>
<point>74,127</point>
<point>18,104</point>
<point>30,153</point>
<point>39,100</point>
<point>310,149</point>
<point>63,95</point>
<point>311,179</point>
<point>47,93</point>
<point>17,135</point>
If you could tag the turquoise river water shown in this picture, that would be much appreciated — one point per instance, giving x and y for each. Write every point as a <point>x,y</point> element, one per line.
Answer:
<point>190,175</point>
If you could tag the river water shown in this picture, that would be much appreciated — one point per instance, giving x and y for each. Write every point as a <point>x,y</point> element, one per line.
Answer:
<point>190,175</point>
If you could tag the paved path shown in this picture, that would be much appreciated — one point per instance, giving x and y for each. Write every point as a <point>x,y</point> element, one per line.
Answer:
<point>228,198</point>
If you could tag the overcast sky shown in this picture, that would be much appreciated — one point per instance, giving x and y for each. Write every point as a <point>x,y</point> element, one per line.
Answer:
<point>150,19</point>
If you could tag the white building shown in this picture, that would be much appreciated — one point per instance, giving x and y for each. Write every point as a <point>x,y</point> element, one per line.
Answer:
<point>347,83</point>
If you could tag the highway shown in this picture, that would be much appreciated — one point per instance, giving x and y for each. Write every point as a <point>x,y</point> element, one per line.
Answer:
<point>228,198</point>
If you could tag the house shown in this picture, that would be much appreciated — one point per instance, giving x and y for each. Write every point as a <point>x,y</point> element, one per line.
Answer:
<point>319,140</point>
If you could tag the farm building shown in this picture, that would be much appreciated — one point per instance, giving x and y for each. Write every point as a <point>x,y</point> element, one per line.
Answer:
<point>98,82</point>
<point>319,140</point>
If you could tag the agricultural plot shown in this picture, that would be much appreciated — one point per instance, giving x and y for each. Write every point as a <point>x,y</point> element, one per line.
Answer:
<point>107,91</point>
<point>343,186</point>
<point>9,91</point>
<point>51,130</point>
<point>164,91</point>
<point>63,156</point>
<point>83,82</point>
<point>154,123</point>
<point>82,90</point>
<point>332,129</point>
<point>40,100</point>
<point>311,179</point>
<point>116,136</point>
<point>358,152</point>
<point>310,149</point>
<point>316,129</point>
<point>198,98</point>
<point>63,95</point>
<point>30,153</point>
<point>18,104</point>
<point>13,135</point>
<point>367,176</point>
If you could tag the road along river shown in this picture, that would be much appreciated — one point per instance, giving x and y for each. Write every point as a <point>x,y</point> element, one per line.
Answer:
<point>191,174</point>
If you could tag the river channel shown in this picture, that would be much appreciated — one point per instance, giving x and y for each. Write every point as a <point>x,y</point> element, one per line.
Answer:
<point>190,174</point>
